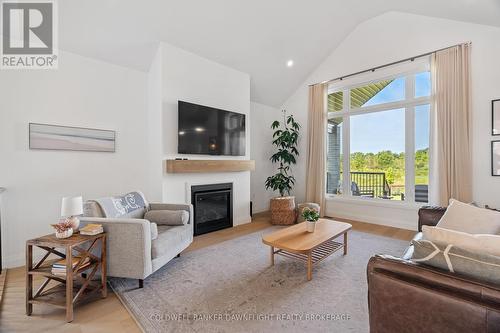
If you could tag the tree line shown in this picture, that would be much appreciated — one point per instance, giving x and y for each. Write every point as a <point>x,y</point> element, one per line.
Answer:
<point>392,164</point>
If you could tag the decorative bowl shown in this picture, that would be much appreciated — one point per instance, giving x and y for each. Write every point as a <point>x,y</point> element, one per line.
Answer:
<point>64,234</point>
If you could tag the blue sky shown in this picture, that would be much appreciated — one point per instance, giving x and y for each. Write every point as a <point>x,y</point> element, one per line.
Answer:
<point>374,132</point>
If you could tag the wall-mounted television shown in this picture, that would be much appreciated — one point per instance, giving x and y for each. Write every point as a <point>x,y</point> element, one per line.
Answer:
<point>210,131</point>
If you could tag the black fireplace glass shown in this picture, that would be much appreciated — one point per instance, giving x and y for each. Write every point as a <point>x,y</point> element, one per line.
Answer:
<point>212,205</point>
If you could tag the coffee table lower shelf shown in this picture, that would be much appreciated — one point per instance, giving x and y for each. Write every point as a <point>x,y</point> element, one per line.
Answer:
<point>318,254</point>
<point>314,256</point>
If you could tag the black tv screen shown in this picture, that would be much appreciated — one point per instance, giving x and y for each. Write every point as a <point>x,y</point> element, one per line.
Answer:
<point>210,131</point>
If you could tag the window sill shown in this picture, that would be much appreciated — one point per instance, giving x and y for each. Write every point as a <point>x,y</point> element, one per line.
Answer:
<point>375,202</point>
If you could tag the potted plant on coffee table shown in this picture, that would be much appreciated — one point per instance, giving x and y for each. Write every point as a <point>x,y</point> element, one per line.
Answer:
<point>311,216</point>
<point>285,140</point>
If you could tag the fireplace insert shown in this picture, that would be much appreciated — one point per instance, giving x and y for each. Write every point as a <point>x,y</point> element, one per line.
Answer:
<point>212,207</point>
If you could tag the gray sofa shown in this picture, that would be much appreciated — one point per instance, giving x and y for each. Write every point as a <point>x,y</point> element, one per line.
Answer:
<point>136,247</point>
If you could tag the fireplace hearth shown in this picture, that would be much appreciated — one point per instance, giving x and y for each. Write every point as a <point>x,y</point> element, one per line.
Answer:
<point>212,207</point>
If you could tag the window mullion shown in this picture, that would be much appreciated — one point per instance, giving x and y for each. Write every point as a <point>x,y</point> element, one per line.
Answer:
<point>410,142</point>
<point>346,147</point>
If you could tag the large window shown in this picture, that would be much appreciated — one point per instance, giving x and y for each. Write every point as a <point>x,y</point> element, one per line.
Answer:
<point>378,131</point>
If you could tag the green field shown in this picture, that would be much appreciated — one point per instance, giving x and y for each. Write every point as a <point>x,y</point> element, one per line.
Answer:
<point>393,165</point>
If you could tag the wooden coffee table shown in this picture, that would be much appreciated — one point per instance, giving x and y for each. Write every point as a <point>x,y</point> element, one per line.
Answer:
<point>312,247</point>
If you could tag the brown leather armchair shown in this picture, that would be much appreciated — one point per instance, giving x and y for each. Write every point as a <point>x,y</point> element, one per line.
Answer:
<point>407,297</point>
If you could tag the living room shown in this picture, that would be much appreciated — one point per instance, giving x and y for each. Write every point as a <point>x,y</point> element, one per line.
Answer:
<point>201,137</point>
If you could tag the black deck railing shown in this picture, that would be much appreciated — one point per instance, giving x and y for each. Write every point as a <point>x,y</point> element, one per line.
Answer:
<point>373,184</point>
<point>370,184</point>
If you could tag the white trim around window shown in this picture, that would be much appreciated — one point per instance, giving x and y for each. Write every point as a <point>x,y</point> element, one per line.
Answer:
<point>408,71</point>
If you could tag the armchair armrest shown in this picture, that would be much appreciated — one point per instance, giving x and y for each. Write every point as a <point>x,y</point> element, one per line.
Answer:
<point>430,215</point>
<point>128,246</point>
<point>165,206</point>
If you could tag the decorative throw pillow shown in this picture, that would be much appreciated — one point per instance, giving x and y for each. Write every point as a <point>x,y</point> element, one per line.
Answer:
<point>128,206</point>
<point>467,218</point>
<point>167,217</point>
<point>480,266</point>
<point>481,243</point>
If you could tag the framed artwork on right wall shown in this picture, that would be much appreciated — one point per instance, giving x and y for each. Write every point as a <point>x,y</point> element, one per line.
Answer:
<point>495,158</point>
<point>495,117</point>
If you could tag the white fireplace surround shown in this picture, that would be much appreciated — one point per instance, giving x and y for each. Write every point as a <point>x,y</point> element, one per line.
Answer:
<point>241,192</point>
<point>189,77</point>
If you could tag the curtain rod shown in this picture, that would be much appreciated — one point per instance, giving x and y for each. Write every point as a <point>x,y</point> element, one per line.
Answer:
<point>340,78</point>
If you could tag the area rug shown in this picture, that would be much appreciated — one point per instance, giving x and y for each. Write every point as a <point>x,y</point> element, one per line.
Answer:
<point>231,287</point>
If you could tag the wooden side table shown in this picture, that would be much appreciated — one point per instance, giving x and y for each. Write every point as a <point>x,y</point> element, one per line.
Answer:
<point>76,286</point>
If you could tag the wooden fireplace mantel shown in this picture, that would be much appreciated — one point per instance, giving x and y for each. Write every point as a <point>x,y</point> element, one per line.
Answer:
<point>207,166</point>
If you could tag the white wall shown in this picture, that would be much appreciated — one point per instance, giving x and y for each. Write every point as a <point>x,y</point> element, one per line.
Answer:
<point>155,128</point>
<point>82,92</point>
<point>262,149</point>
<point>394,36</point>
<point>191,78</point>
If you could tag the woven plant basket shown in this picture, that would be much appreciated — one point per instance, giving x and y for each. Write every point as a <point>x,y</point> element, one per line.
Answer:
<point>283,211</point>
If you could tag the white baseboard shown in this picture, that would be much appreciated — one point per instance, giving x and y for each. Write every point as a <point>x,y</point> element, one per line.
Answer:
<point>388,222</point>
<point>18,261</point>
<point>242,221</point>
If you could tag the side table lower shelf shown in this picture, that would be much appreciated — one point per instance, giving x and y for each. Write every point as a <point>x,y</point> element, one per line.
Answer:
<point>76,284</point>
<point>56,295</point>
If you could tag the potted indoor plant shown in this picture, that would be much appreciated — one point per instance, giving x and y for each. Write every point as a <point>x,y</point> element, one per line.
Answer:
<point>311,216</point>
<point>285,140</point>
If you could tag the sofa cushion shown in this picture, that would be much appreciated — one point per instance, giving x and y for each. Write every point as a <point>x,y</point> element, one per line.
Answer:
<point>480,243</point>
<point>467,218</point>
<point>408,253</point>
<point>167,217</point>
<point>135,214</point>
<point>92,209</point>
<point>168,237</point>
<point>480,266</point>
<point>154,231</point>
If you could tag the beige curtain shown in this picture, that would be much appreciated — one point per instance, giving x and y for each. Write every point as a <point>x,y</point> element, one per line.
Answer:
<point>316,159</point>
<point>451,126</point>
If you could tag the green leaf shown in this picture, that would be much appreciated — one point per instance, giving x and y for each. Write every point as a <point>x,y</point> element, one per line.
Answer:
<point>277,133</point>
<point>285,139</point>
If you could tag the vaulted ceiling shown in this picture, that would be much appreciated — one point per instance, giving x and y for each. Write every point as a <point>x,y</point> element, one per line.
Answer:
<point>254,36</point>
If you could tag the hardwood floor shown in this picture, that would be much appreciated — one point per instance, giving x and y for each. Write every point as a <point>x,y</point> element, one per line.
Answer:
<point>380,230</point>
<point>2,283</point>
<point>259,222</point>
<point>109,315</point>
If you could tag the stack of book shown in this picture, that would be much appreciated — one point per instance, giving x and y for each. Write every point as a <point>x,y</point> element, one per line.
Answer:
<point>59,267</point>
<point>91,229</point>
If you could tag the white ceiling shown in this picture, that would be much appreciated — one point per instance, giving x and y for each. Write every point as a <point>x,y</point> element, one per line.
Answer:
<point>253,36</point>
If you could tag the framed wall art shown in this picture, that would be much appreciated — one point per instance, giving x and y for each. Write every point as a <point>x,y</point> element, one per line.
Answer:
<point>495,158</point>
<point>495,117</point>
<point>55,137</point>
